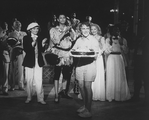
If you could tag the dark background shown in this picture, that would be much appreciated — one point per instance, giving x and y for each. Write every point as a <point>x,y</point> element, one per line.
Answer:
<point>43,10</point>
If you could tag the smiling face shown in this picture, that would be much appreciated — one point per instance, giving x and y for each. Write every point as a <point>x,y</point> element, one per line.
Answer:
<point>85,30</point>
<point>94,30</point>
<point>35,30</point>
<point>62,19</point>
<point>17,26</point>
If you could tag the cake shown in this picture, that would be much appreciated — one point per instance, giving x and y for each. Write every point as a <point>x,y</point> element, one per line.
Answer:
<point>82,52</point>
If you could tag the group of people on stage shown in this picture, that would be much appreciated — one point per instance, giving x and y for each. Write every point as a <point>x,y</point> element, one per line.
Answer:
<point>11,57</point>
<point>100,76</point>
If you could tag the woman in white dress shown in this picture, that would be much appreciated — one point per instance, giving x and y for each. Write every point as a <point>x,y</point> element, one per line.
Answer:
<point>98,86</point>
<point>116,82</point>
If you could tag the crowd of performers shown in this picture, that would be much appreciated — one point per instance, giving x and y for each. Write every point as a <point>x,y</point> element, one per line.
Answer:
<point>102,77</point>
<point>11,57</point>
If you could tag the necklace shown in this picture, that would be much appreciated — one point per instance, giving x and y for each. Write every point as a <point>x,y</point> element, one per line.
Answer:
<point>62,30</point>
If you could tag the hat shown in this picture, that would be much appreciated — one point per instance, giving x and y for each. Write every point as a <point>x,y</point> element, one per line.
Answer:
<point>32,25</point>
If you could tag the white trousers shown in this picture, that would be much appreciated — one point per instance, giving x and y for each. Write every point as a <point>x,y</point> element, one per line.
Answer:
<point>33,78</point>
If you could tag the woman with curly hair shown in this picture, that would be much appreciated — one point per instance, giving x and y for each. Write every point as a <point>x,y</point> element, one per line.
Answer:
<point>98,85</point>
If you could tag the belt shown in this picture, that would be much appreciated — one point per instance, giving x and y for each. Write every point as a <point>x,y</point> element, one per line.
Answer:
<point>115,53</point>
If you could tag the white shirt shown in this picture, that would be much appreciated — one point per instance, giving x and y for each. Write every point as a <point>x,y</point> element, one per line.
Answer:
<point>87,43</point>
<point>34,37</point>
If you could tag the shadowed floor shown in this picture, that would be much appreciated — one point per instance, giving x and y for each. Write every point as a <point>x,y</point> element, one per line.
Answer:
<point>12,107</point>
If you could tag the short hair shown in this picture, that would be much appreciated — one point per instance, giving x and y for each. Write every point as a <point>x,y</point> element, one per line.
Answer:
<point>60,15</point>
<point>84,23</point>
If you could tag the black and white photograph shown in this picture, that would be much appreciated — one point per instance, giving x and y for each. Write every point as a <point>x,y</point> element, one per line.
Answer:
<point>74,59</point>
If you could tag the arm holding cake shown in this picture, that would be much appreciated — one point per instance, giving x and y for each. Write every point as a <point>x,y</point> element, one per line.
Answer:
<point>81,51</point>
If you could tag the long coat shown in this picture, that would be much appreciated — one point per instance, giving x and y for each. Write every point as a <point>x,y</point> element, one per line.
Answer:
<point>29,59</point>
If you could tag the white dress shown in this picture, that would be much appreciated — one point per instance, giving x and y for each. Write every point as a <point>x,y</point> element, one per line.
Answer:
<point>98,86</point>
<point>116,82</point>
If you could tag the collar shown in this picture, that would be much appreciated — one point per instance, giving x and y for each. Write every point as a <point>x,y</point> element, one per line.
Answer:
<point>60,30</point>
<point>88,37</point>
<point>34,36</point>
<point>17,31</point>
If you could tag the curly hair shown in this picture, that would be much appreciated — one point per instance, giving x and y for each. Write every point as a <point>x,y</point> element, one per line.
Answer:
<point>98,28</point>
<point>84,23</point>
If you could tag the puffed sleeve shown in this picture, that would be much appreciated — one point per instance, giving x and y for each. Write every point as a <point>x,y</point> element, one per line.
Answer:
<point>95,45</point>
<point>108,47</point>
<point>124,46</point>
<point>52,34</point>
<point>76,45</point>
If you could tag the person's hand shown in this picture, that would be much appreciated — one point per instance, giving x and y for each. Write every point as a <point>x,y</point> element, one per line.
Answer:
<point>55,45</point>
<point>91,50</point>
<point>72,50</point>
<point>44,41</point>
<point>34,43</point>
<point>9,48</point>
<point>18,43</point>
<point>67,29</point>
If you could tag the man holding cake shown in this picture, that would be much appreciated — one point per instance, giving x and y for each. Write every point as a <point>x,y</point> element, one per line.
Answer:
<point>86,66</point>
